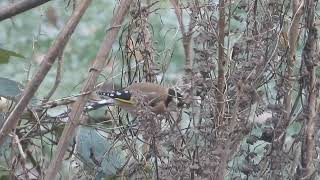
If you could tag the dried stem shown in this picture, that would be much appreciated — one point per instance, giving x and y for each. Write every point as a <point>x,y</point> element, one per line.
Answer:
<point>45,66</point>
<point>94,72</point>
<point>19,7</point>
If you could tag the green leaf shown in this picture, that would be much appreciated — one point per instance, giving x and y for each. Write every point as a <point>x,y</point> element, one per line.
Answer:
<point>9,88</point>
<point>6,54</point>
<point>111,156</point>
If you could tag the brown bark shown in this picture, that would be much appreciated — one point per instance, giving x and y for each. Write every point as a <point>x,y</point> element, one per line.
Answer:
<point>222,62</point>
<point>19,7</point>
<point>53,52</point>
<point>310,58</point>
<point>220,95</point>
<point>94,72</point>
<point>308,145</point>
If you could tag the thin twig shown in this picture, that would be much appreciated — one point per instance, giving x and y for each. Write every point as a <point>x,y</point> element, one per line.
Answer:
<point>23,155</point>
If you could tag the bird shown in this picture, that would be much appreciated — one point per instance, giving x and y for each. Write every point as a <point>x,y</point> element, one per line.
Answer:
<point>156,97</point>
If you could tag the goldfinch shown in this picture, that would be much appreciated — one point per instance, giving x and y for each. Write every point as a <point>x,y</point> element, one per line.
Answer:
<point>156,97</point>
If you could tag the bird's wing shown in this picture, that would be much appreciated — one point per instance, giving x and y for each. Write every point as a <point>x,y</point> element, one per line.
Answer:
<point>97,104</point>
<point>150,97</point>
<point>151,92</point>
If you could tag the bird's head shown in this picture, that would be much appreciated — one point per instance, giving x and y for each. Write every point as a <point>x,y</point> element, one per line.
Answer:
<point>175,96</point>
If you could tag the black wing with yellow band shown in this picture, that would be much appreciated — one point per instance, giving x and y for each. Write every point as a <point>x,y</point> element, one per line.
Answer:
<point>119,95</point>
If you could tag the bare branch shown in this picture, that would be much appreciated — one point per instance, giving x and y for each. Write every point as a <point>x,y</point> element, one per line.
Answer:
<point>220,92</point>
<point>19,7</point>
<point>94,72</point>
<point>45,66</point>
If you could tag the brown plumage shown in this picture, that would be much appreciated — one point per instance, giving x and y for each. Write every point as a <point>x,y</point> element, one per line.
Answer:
<point>155,96</point>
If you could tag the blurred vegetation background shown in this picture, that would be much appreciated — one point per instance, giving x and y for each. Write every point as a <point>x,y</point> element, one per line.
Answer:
<point>31,33</point>
<point>259,134</point>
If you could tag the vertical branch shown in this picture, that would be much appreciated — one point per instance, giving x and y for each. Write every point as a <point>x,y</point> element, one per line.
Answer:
<point>280,130</point>
<point>220,96</point>
<point>45,66</point>
<point>310,57</point>
<point>293,37</point>
<point>94,72</point>
<point>308,145</point>
<point>222,61</point>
